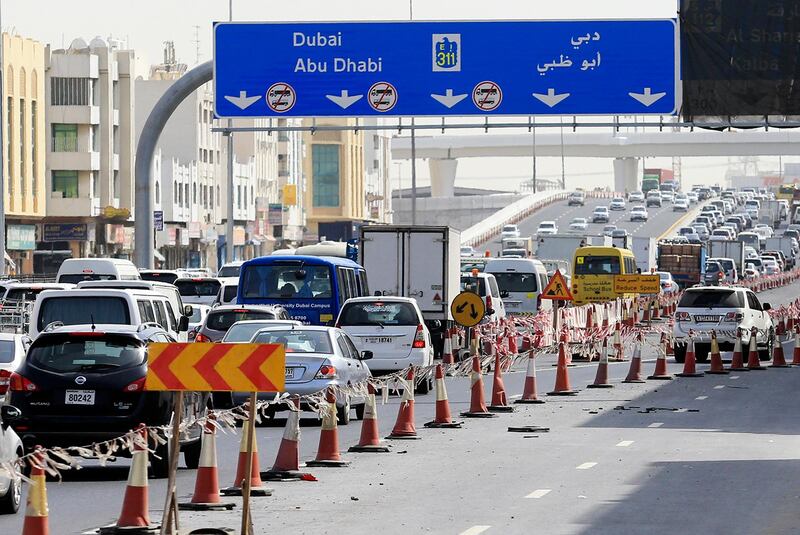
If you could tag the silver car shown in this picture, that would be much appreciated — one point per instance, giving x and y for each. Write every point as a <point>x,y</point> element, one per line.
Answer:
<point>243,331</point>
<point>318,357</point>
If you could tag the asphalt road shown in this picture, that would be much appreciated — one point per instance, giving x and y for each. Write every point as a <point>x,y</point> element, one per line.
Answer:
<point>659,221</point>
<point>717,454</point>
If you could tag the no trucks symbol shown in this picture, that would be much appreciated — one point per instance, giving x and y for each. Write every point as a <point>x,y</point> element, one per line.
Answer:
<point>487,96</point>
<point>382,96</point>
<point>281,97</point>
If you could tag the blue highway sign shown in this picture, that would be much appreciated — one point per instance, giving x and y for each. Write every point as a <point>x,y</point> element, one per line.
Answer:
<point>600,67</point>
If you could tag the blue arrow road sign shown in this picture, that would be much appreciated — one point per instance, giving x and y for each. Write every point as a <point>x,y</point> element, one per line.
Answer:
<point>600,67</point>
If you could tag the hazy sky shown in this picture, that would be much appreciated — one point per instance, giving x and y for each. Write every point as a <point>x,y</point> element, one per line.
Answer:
<point>146,24</point>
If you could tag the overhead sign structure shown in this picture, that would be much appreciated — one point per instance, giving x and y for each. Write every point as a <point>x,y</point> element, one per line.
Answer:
<point>355,69</point>
<point>468,309</point>
<point>637,284</point>
<point>557,288</point>
<point>205,367</point>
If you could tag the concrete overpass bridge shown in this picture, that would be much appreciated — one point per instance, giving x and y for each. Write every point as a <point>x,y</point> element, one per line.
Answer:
<point>443,152</point>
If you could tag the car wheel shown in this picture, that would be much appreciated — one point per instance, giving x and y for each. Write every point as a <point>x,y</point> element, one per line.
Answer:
<point>424,386</point>
<point>191,454</point>
<point>9,504</point>
<point>159,462</point>
<point>701,355</point>
<point>766,353</point>
<point>343,413</point>
<point>360,411</point>
<point>680,353</point>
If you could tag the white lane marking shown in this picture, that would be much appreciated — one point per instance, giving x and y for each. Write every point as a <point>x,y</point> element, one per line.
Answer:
<point>625,443</point>
<point>656,424</point>
<point>719,387</point>
<point>701,398</point>
<point>515,396</point>
<point>682,410</point>
<point>474,530</point>
<point>734,376</point>
<point>585,466</point>
<point>539,493</point>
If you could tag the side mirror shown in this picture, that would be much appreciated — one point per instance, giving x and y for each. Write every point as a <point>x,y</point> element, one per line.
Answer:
<point>366,355</point>
<point>183,324</point>
<point>489,311</point>
<point>9,413</point>
<point>188,310</point>
<point>766,306</point>
<point>504,294</point>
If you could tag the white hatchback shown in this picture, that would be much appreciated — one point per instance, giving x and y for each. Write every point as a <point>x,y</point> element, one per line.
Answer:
<point>391,327</point>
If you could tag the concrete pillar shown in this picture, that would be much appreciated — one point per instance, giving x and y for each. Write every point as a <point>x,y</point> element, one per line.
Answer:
<point>626,174</point>
<point>443,177</point>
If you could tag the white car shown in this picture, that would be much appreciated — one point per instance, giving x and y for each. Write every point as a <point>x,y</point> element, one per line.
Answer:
<point>608,230</point>
<point>617,203</point>
<point>546,228</point>
<point>667,196</point>
<point>692,196</point>
<point>636,196</point>
<point>639,213</point>
<point>771,266</point>
<point>485,285</point>
<point>510,231</point>
<point>764,230</point>
<point>391,327</point>
<point>600,215</point>
<point>668,284</point>
<point>199,313</point>
<point>243,331</point>
<point>680,205</point>
<point>579,224</point>
<point>722,309</point>
<point>467,250</point>
<point>721,234</point>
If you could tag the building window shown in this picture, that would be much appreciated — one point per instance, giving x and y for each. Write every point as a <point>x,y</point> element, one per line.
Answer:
<point>34,147</point>
<point>186,193</point>
<point>211,197</point>
<point>158,193</point>
<point>95,133</point>
<point>70,91</point>
<point>115,186</point>
<point>9,144</point>
<point>194,193</point>
<point>211,156</point>
<point>66,182</point>
<point>325,174</point>
<point>22,152</point>
<point>180,195</point>
<point>245,197</point>
<point>175,192</point>
<point>65,137</point>
<point>205,196</point>
<point>95,183</point>
<point>218,196</point>
<point>239,196</point>
<point>115,139</point>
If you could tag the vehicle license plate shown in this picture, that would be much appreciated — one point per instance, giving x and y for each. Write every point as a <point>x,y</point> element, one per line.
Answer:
<point>379,340</point>
<point>79,397</point>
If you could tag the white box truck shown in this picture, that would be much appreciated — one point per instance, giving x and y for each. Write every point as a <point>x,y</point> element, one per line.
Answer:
<point>732,249</point>
<point>782,243</point>
<point>420,262</point>
<point>562,246</point>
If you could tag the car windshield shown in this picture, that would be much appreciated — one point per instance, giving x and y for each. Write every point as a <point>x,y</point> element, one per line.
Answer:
<point>713,267</point>
<point>23,294</point>
<point>7,349</point>
<point>474,284</point>
<point>243,332</point>
<point>75,278</point>
<point>77,353</point>
<point>196,316</point>
<point>229,271</point>
<point>379,313</point>
<point>229,293</point>
<point>297,340</point>
<point>75,310</point>
<point>510,228</point>
<point>597,265</point>
<point>198,288</point>
<point>516,282</point>
<point>579,220</point>
<point>158,276</point>
<point>546,224</point>
<point>664,276</point>
<point>289,281</point>
<point>711,299</point>
<point>222,320</point>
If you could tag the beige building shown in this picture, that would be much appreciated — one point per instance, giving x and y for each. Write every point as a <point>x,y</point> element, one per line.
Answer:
<point>23,124</point>
<point>333,165</point>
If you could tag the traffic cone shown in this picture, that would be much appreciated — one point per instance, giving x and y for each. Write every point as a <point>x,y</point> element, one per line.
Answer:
<point>443,418</point>
<point>790,321</point>
<point>36,511</point>
<point>780,329</point>
<point>796,352</point>
<point>328,449</point>
<point>529,391</point>
<point>287,462</point>
<point>474,342</point>
<point>447,351</point>
<point>661,361</point>
<point>206,486</point>
<point>619,355</point>
<point>670,351</point>
<point>477,405</point>
<point>562,386</point>
<point>601,378</point>
<point>512,342</point>
<point>499,401</point>
<point>635,370</point>
<point>690,362</point>
<point>135,513</point>
<point>404,427</point>
<point>256,485</point>
<point>737,360</point>
<point>646,313</point>
<point>589,318</point>
<point>369,442</point>
<point>753,361</point>
<point>657,310</point>
<point>716,358</point>
<point>778,359</point>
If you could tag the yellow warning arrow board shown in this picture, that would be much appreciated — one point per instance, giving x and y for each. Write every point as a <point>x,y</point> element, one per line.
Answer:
<point>557,288</point>
<point>637,284</point>
<point>468,309</point>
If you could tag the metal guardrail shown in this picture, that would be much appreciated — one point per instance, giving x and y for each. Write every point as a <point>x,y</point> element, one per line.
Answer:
<point>15,315</point>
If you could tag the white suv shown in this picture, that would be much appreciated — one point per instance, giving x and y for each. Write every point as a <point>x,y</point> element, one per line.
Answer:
<point>721,309</point>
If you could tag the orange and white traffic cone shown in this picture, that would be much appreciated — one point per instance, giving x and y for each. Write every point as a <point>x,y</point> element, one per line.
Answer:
<point>256,485</point>
<point>660,372</point>
<point>690,361</point>
<point>796,351</point>
<point>737,360</point>
<point>443,418</point>
<point>619,355</point>
<point>716,358</point>
<point>753,360</point>
<point>778,359</point>
<point>477,405</point>
<point>499,400</point>
<point>601,378</point>
<point>328,449</point>
<point>36,511</point>
<point>562,386</point>
<point>206,486</point>
<point>369,442</point>
<point>670,351</point>
<point>447,351</point>
<point>530,390</point>
<point>404,428</point>
<point>635,370</point>
<point>287,462</point>
<point>135,510</point>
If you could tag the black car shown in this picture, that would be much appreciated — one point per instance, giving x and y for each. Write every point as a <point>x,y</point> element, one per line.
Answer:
<point>81,384</point>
